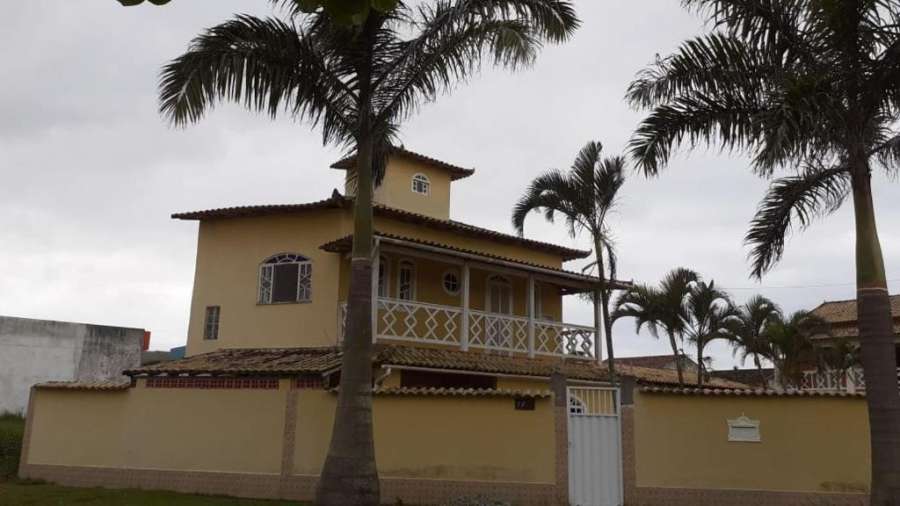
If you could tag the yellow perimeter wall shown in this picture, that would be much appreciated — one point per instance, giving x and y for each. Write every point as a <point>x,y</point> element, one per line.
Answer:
<point>808,444</point>
<point>454,438</point>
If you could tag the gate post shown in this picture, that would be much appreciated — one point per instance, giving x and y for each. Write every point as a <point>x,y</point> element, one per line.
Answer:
<point>561,425</point>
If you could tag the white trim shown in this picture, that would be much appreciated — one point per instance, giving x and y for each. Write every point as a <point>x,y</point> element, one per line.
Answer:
<point>400,265</point>
<point>268,266</point>
<point>419,177</point>
<point>451,272</point>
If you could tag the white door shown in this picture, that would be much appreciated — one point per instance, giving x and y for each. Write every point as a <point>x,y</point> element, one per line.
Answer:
<point>595,447</point>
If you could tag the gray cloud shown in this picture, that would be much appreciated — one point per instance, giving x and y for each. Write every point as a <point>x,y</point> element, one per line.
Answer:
<point>90,172</point>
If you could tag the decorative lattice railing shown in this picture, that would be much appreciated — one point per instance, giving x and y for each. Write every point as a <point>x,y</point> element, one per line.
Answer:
<point>830,380</point>
<point>436,324</point>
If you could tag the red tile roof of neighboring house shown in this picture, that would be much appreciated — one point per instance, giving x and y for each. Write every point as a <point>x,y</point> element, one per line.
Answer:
<point>743,392</point>
<point>338,201</point>
<point>345,244</point>
<point>654,361</point>
<point>844,311</point>
<point>749,377</point>
<point>291,361</point>
<point>456,172</point>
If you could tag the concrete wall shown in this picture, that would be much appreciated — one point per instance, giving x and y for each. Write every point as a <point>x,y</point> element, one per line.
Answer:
<point>812,450</point>
<point>428,448</point>
<point>35,351</point>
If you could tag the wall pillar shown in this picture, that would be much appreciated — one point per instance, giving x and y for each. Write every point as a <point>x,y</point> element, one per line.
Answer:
<point>464,329</point>
<point>531,315</point>
<point>561,429</point>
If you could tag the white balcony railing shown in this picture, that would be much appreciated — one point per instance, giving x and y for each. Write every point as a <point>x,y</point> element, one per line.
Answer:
<point>421,322</point>
<point>827,380</point>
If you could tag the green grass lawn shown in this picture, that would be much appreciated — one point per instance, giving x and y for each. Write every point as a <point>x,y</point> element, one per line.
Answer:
<point>42,494</point>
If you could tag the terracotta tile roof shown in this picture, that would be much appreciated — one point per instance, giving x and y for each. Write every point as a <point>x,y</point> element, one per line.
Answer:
<point>456,172</point>
<point>844,311</point>
<point>654,361</point>
<point>462,392</point>
<point>250,361</point>
<point>649,375</point>
<point>290,361</point>
<point>748,377</point>
<point>338,201</point>
<point>110,385</point>
<point>743,392</point>
<point>345,243</point>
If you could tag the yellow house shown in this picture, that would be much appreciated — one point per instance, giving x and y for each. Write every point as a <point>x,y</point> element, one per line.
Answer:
<point>481,385</point>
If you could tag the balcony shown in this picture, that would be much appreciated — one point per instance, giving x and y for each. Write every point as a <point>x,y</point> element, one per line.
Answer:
<point>425,323</point>
<point>826,380</point>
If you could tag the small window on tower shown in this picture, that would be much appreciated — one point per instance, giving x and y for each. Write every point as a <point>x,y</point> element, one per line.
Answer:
<point>420,184</point>
<point>211,324</point>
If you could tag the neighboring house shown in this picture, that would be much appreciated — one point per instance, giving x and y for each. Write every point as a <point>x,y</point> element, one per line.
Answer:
<point>842,325</point>
<point>37,351</point>
<point>659,362</point>
<point>481,385</point>
<point>749,377</point>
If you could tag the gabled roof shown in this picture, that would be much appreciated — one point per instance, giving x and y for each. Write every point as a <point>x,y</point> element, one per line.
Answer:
<point>844,311</point>
<point>337,201</point>
<point>293,361</point>
<point>456,172</point>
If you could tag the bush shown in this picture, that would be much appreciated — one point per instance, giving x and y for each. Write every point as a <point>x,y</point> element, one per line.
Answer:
<point>12,427</point>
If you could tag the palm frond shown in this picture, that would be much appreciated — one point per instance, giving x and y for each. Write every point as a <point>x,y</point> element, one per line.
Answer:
<point>802,198</point>
<point>265,64</point>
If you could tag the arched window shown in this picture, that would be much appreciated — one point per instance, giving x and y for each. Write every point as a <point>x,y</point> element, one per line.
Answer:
<point>421,184</point>
<point>406,280</point>
<point>286,277</point>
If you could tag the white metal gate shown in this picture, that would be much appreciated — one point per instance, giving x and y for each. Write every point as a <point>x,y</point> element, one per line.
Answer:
<point>595,447</point>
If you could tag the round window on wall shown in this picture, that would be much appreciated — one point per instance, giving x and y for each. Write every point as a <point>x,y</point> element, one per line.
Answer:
<point>451,283</point>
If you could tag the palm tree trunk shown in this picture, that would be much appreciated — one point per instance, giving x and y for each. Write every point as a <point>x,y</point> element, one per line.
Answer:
<point>763,381</point>
<point>699,362</point>
<point>677,359</point>
<point>349,475</point>
<point>603,292</point>
<point>876,337</point>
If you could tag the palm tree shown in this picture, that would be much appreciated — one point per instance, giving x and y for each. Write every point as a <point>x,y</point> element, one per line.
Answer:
<point>709,311</point>
<point>584,196</point>
<point>663,308</point>
<point>748,332</point>
<point>791,346</point>
<point>811,85</point>
<point>357,82</point>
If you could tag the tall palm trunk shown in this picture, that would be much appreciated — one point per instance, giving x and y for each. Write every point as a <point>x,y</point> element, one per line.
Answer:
<point>877,345</point>
<point>349,475</point>
<point>603,293</point>
<point>700,363</point>
<point>678,365</point>
<point>763,381</point>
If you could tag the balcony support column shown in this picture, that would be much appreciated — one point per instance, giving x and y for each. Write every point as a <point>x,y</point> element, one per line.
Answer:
<point>376,268</point>
<point>531,315</point>
<point>464,329</point>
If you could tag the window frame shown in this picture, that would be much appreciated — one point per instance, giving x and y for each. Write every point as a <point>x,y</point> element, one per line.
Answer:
<point>211,325</point>
<point>451,272</point>
<point>498,279</point>
<point>266,273</point>
<point>385,280</point>
<point>413,279</point>
<point>424,180</point>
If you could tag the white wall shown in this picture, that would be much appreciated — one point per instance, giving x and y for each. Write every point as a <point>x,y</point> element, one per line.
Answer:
<point>35,351</point>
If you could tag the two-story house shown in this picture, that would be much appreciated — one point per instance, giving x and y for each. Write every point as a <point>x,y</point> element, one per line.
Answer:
<point>481,385</point>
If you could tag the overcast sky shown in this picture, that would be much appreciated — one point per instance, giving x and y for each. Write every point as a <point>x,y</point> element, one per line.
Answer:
<point>91,172</point>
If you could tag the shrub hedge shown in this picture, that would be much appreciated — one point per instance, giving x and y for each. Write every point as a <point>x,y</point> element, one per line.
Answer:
<point>12,427</point>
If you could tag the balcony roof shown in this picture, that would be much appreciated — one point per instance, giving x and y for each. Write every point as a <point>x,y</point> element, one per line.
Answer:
<point>345,243</point>
<point>338,201</point>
